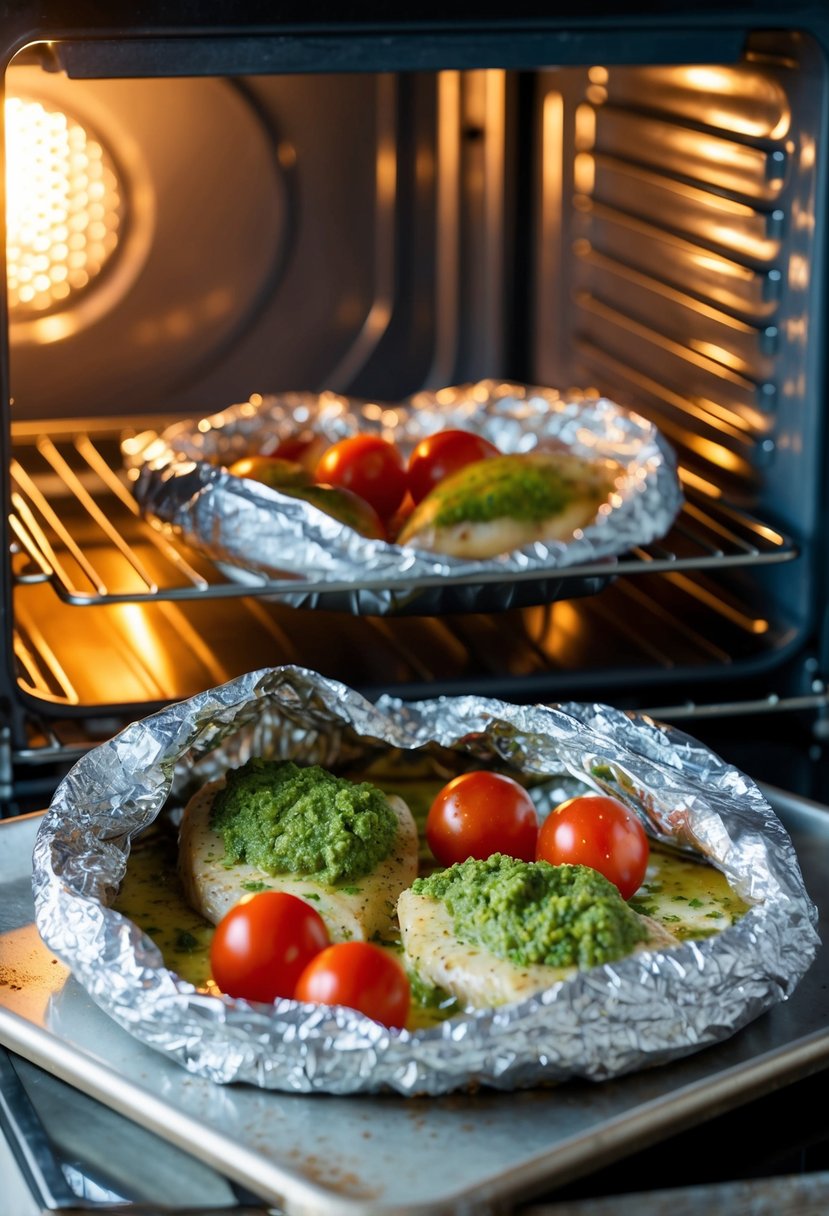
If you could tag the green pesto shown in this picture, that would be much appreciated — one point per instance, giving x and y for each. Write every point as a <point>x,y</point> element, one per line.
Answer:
<point>511,487</point>
<point>291,820</point>
<point>534,912</point>
<point>430,996</point>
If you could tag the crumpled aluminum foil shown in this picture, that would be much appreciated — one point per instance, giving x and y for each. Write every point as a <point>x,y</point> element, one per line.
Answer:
<point>644,1010</point>
<point>258,534</point>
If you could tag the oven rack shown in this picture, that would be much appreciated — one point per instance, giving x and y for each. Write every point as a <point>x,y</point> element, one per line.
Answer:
<point>163,617</point>
<point>75,524</point>
<point>643,637</point>
<point>53,746</point>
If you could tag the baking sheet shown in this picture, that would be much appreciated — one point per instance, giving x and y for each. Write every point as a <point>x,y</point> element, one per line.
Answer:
<point>318,1154</point>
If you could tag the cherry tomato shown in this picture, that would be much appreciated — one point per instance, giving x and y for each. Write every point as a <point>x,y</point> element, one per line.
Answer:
<point>367,465</point>
<point>438,455</point>
<point>481,813</point>
<point>262,945</point>
<point>305,448</point>
<point>395,522</point>
<point>361,976</point>
<point>597,831</point>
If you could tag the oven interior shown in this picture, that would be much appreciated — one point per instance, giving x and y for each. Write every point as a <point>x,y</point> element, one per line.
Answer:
<point>182,239</point>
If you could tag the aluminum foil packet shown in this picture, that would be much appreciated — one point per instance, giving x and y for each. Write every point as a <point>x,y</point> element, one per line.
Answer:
<point>644,1010</point>
<point>257,534</point>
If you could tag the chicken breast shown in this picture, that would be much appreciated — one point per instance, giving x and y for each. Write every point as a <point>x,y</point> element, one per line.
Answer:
<point>352,911</point>
<point>508,502</point>
<point>475,976</point>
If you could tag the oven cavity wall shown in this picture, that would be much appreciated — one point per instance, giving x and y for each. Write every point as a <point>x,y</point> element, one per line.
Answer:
<point>614,211</point>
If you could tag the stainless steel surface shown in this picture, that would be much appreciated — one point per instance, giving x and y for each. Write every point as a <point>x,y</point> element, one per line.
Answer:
<point>155,1209</point>
<point>675,201</point>
<point>48,1178</point>
<point>361,1155</point>
<point>103,1155</point>
<point>23,1129</point>
<point>799,1195</point>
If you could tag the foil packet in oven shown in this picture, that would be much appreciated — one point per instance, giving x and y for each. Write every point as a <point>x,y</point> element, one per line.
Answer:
<point>258,534</point>
<point>646,1009</point>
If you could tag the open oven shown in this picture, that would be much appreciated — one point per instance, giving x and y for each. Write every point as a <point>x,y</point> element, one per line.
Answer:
<point>204,206</point>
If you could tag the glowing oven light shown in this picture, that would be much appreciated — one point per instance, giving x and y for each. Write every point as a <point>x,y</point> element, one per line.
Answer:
<point>64,209</point>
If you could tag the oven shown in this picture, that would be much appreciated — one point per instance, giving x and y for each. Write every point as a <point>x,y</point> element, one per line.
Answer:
<point>208,205</point>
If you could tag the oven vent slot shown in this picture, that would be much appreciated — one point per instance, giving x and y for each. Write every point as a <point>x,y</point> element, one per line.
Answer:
<point>77,527</point>
<point>688,199</point>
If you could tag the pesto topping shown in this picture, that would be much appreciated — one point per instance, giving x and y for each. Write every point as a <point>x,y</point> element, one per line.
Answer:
<point>536,913</point>
<point>513,487</point>
<point>291,820</point>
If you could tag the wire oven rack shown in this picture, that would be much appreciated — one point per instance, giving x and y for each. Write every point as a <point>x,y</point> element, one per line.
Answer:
<point>92,576</point>
<point>75,519</point>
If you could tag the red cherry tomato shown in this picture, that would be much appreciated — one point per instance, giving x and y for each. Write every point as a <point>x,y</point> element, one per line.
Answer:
<point>367,465</point>
<point>597,831</point>
<point>305,448</point>
<point>361,976</point>
<point>438,455</point>
<point>481,813</point>
<point>262,945</point>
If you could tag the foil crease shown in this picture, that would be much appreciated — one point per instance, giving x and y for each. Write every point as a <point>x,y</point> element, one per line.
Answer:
<point>644,1010</point>
<point>258,534</point>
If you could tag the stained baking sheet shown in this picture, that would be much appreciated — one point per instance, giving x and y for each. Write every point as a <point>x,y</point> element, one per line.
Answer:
<point>319,1154</point>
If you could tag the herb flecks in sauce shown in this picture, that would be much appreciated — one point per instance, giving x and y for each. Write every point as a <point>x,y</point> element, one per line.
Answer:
<point>151,896</point>
<point>687,896</point>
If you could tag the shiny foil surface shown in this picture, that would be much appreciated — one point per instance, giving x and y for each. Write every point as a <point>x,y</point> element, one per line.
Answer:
<point>258,534</point>
<point>646,1009</point>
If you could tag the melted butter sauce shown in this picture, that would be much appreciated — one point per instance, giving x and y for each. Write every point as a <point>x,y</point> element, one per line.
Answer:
<point>152,897</point>
<point>691,900</point>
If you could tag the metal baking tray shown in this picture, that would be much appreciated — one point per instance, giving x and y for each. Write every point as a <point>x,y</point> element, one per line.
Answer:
<point>327,1155</point>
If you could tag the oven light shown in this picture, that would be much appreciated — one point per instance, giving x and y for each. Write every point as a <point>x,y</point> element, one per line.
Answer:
<point>64,209</point>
